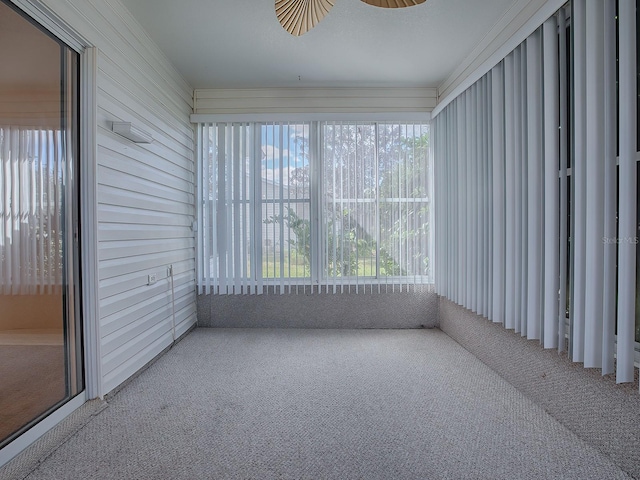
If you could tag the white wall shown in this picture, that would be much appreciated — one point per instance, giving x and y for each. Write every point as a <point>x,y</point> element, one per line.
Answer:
<point>145,193</point>
<point>517,23</point>
<point>270,101</point>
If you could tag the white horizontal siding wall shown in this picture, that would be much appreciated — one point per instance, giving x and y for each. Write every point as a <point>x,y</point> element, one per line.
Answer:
<point>313,100</point>
<point>145,192</point>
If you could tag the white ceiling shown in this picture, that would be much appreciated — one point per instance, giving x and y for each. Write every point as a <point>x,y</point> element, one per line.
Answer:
<point>240,44</point>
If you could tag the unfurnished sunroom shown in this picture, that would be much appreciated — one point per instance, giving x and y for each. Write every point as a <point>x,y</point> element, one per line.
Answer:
<point>448,164</point>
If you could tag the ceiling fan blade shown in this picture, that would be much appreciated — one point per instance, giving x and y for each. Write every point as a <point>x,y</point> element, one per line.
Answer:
<point>299,16</point>
<point>394,3</point>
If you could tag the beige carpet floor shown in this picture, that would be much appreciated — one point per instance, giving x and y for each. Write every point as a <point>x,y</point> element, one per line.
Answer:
<point>316,404</point>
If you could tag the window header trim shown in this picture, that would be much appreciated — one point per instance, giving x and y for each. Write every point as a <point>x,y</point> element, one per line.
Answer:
<point>404,117</point>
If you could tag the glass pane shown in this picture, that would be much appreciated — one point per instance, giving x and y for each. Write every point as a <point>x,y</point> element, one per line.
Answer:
<point>376,200</point>
<point>286,239</point>
<point>285,187</point>
<point>39,340</point>
<point>404,200</point>
<point>350,206</point>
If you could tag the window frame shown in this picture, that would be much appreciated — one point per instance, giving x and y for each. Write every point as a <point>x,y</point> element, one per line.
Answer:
<point>318,259</point>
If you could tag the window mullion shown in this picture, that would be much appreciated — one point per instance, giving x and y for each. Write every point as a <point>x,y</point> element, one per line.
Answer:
<point>281,203</point>
<point>315,200</point>
<point>256,208</point>
<point>376,156</point>
<point>356,195</point>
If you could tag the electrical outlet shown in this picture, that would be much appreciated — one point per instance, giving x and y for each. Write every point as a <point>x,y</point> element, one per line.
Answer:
<point>151,279</point>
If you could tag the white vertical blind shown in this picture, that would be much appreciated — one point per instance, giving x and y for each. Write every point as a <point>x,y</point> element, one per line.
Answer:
<point>255,198</point>
<point>472,161</point>
<point>480,188</point>
<point>315,140</point>
<point>610,189</point>
<point>459,151</point>
<point>487,209</point>
<point>524,191</point>
<point>564,186</point>
<point>510,193</point>
<point>551,190</point>
<point>520,238</point>
<point>468,207</point>
<point>525,197</point>
<point>201,213</point>
<point>594,271</point>
<point>498,189</point>
<point>31,203</point>
<point>627,220</point>
<point>578,177</point>
<point>487,225</point>
<point>375,204</point>
<point>535,227</point>
<point>440,169</point>
<point>292,206</point>
<point>254,207</point>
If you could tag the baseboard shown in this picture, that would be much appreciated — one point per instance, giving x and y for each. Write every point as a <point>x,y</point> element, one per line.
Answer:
<point>408,307</point>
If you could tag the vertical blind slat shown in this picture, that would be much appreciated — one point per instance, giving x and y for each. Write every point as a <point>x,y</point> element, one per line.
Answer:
<point>564,185</point>
<point>201,239</point>
<point>535,229</point>
<point>212,172</point>
<point>469,259</point>
<point>517,160</point>
<point>524,186</point>
<point>594,225</point>
<point>510,194</point>
<point>558,219</point>
<point>627,219</point>
<point>578,177</point>
<point>236,202</point>
<point>498,191</point>
<point>488,178</point>
<point>551,191</point>
<point>464,257</point>
<point>610,190</point>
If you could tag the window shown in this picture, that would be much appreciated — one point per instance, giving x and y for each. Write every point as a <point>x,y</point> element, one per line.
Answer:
<point>313,204</point>
<point>375,203</point>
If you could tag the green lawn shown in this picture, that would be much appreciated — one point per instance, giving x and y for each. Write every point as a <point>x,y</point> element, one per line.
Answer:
<point>296,268</point>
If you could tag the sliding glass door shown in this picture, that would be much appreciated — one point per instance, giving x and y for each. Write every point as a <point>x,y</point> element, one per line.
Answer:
<point>40,338</point>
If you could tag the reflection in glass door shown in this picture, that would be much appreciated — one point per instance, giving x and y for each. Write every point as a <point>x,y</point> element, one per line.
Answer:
<point>40,339</point>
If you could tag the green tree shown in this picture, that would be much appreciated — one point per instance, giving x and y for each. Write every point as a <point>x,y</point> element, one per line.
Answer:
<point>404,226</point>
<point>356,171</point>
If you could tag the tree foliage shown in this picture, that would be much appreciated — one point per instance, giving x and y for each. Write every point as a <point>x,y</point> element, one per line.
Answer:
<point>355,167</point>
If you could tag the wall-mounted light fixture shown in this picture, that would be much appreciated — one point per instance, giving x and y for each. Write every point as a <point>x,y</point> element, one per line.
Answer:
<point>133,133</point>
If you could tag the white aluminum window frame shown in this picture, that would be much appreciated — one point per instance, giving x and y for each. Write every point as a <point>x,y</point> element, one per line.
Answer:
<point>318,258</point>
<point>378,279</point>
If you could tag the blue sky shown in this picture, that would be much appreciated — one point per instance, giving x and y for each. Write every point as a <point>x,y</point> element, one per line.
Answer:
<point>280,140</point>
